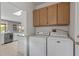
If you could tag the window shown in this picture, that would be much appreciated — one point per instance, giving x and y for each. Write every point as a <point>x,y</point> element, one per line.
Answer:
<point>2,27</point>
<point>14,27</point>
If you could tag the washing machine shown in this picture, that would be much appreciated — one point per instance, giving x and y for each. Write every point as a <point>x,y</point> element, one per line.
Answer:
<point>37,44</point>
<point>76,48</point>
<point>59,44</point>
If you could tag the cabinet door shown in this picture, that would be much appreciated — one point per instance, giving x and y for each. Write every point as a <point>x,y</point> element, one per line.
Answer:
<point>43,16</point>
<point>36,17</point>
<point>63,13</point>
<point>21,44</point>
<point>52,15</point>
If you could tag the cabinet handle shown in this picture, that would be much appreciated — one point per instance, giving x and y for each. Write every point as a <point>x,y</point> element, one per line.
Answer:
<point>58,41</point>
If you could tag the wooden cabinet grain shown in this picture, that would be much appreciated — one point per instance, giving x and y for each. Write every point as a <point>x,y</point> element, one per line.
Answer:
<point>57,14</point>
<point>52,14</point>
<point>43,16</point>
<point>63,13</point>
<point>36,17</point>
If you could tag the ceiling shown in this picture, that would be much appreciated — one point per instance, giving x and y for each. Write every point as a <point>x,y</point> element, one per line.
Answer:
<point>8,8</point>
<point>38,3</point>
<point>7,11</point>
<point>19,5</point>
<point>23,5</point>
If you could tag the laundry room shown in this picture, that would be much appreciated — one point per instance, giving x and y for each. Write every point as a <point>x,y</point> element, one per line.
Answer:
<point>57,21</point>
<point>39,28</point>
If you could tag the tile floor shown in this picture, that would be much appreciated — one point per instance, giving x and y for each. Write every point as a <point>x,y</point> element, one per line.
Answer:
<point>9,49</point>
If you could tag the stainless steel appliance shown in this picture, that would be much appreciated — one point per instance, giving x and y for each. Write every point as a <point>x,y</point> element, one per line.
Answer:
<point>8,38</point>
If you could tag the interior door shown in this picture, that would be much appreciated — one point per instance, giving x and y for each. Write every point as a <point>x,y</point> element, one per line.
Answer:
<point>43,16</point>
<point>52,14</point>
<point>60,47</point>
<point>63,13</point>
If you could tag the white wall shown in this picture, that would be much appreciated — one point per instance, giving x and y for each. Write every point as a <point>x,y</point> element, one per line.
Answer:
<point>49,29</point>
<point>74,21</point>
<point>30,28</point>
<point>0,10</point>
<point>77,23</point>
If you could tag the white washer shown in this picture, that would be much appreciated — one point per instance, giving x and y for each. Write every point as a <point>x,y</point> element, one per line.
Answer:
<point>37,45</point>
<point>59,46</point>
<point>76,48</point>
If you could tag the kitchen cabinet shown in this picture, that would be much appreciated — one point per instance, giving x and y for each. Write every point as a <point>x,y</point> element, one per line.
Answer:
<point>52,14</point>
<point>63,13</point>
<point>43,16</point>
<point>36,17</point>
<point>21,44</point>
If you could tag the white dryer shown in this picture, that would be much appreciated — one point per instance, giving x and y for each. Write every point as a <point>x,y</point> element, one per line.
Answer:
<point>37,45</point>
<point>58,44</point>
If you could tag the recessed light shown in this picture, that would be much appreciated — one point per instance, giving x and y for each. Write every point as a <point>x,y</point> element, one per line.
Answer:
<point>18,13</point>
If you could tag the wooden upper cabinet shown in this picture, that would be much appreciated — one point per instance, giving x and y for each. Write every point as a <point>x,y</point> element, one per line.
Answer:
<point>58,14</point>
<point>36,17</point>
<point>43,16</point>
<point>63,13</point>
<point>52,14</point>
